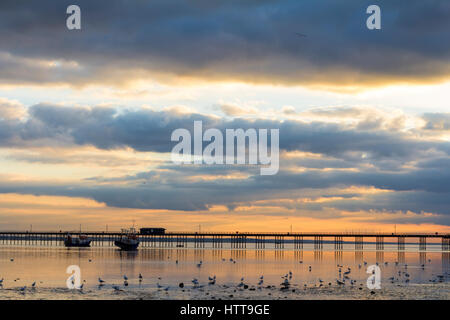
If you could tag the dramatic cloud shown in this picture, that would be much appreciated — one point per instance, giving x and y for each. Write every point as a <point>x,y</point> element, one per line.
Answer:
<point>147,130</point>
<point>323,165</point>
<point>251,41</point>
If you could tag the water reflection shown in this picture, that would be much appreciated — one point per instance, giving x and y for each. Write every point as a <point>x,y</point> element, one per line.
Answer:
<point>170,266</point>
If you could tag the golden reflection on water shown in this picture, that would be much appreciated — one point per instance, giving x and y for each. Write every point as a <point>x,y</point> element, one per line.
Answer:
<point>47,265</point>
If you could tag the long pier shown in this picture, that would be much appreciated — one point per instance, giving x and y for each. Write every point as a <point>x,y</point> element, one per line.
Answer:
<point>237,240</point>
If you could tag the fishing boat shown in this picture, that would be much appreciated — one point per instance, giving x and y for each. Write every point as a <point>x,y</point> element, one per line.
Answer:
<point>128,241</point>
<point>80,241</point>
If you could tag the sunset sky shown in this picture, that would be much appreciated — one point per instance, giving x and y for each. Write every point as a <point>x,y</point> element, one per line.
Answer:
<point>86,115</point>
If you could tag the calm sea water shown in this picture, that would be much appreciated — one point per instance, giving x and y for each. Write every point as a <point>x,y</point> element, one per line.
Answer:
<point>314,274</point>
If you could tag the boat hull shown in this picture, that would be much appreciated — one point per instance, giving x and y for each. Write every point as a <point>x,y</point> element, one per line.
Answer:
<point>77,245</point>
<point>126,246</point>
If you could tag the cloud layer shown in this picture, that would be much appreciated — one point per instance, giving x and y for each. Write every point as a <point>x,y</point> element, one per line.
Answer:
<point>321,163</point>
<point>251,41</point>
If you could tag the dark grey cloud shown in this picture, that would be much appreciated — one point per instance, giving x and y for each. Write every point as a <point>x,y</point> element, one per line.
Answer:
<point>146,130</point>
<point>248,40</point>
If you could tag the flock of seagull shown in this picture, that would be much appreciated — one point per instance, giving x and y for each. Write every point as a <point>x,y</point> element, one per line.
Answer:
<point>344,278</point>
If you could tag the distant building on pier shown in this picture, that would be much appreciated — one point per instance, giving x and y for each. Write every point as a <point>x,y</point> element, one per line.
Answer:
<point>152,231</point>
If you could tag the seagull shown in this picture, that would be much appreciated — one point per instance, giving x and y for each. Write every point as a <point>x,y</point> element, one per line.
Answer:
<point>261,281</point>
<point>101,281</point>
<point>199,264</point>
<point>125,277</point>
<point>1,281</point>
<point>11,259</point>
<point>158,285</point>
<point>116,288</point>
<point>140,277</point>
<point>300,34</point>
<point>33,284</point>
<point>23,289</point>
<point>212,280</point>
<point>195,282</point>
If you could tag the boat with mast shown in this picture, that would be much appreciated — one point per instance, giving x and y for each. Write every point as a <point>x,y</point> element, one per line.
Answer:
<point>77,241</point>
<point>129,240</point>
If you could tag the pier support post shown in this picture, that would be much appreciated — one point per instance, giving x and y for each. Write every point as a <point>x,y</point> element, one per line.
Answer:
<point>359,243</point>
<point>260,242</point>
<point>445,243</point>
<point>279,242</point>
<point>422,244</point>
<point>217,242</point>
<point>233,242</point>
<point>318,243</point>
<point>380,243</point>
<point>401,243</point>
<point>195,241</point>
<point>338,243</point>
<point>298,242</point>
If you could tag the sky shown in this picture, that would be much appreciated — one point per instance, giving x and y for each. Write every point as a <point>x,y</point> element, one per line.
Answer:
<point>86,115</point>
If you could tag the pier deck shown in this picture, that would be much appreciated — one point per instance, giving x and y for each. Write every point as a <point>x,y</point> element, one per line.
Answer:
<point>237,240</point>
